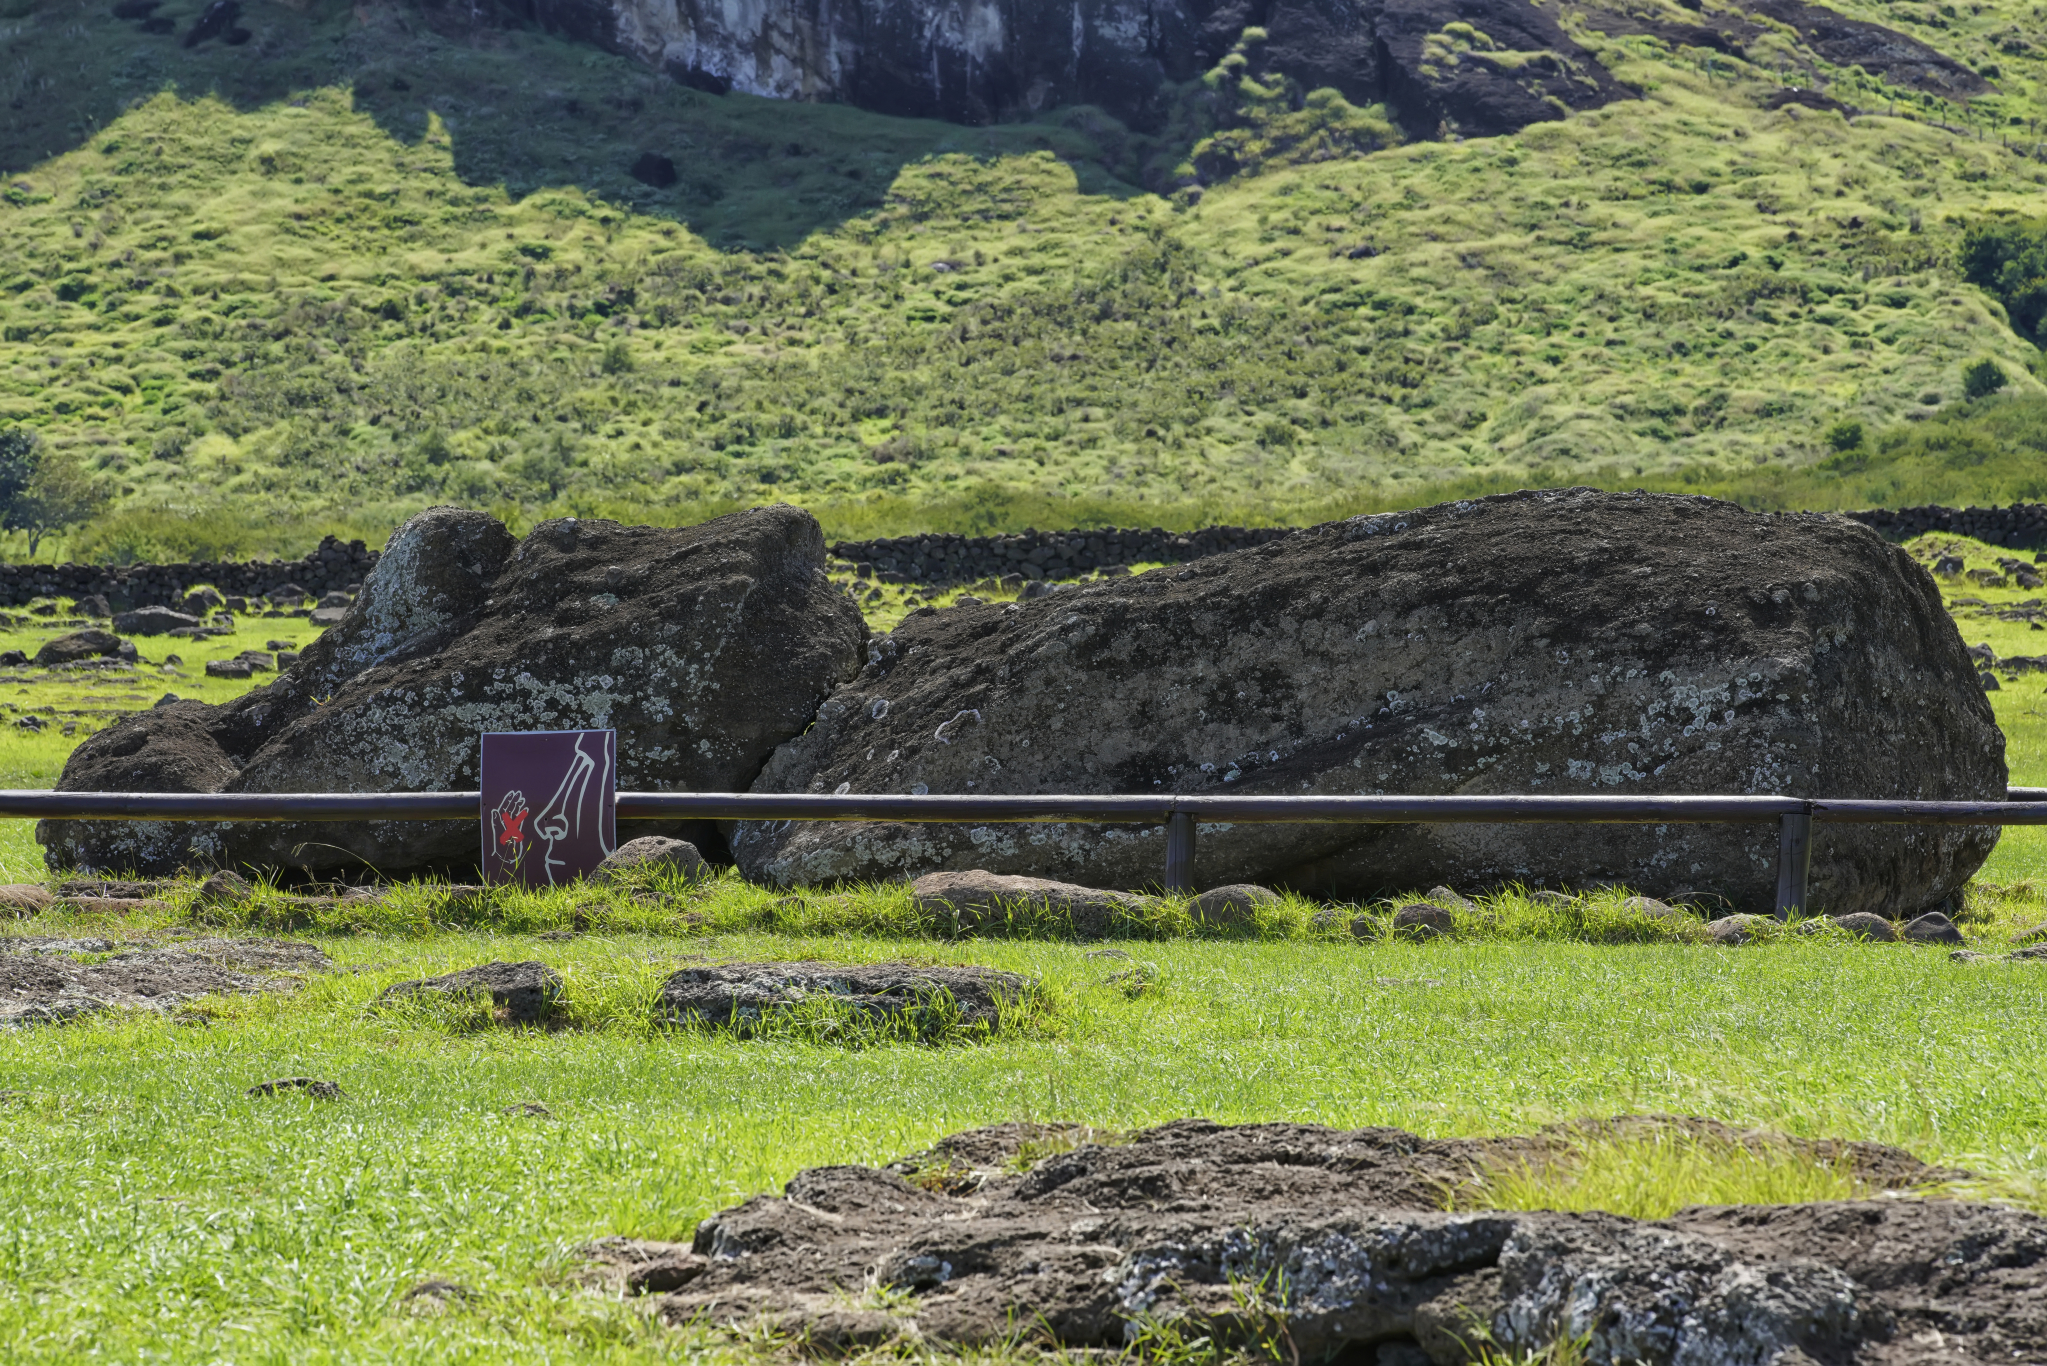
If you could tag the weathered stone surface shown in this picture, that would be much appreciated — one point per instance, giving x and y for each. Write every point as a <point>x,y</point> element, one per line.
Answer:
<point>520,993</point>
<point>152,621</point>
<point>1656,910</point>
<point>1420,920</point>
<point>45,984</point>
<point>743,996</point>
<point>1933,928</point>
<point>1080,1247</point>
<point>653,853</point>
<point>1557,642</point>
<point>704,647</point>
<point>1738,929</point>
<point>91,643</point>
<point>1232,907</point>
<point>1866,926</point>
<point>977,901</point>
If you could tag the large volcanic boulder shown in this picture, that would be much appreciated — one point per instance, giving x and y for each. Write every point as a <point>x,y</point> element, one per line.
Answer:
<point>1557,642</point>
<point>1337,1244</point>
<point>705,647</point>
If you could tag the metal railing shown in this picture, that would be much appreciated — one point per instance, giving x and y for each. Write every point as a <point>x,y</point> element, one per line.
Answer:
<point>1180,816</point>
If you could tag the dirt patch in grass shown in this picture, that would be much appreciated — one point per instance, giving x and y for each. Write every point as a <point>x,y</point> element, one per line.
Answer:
<point>46,979</point>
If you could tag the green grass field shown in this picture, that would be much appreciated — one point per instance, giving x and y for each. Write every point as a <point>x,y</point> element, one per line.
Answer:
<point>154,1212</point>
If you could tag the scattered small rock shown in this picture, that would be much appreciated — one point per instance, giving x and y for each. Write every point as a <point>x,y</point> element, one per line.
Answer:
<point>1420,920</point>
<point>1548,898</point>
<point>1737,929</point>
<point>2037,953</point>
<point>520,993</point>
<point>1932,928</point>
<point>307,1086</point>
<point>87,644</point>
<point>2035,935</point>
<point>525,1108</point>
<point>432,1298</point>
<point>229,668</point>
<point>743,995</point>
<point>152,621</point>
<point>1654,909</point>
<point>1444,896</point>
<point>655,853</point>
<point>641,1267</point>
<point>1232,907</point>
<point>558,935</point>
<point>978,901</point>
<point>225,888</point>
<point>1863,925</point>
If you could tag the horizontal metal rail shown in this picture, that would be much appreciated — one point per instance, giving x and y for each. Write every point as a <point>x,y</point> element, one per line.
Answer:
<point>2024,809</point>
<point>1181,817</point>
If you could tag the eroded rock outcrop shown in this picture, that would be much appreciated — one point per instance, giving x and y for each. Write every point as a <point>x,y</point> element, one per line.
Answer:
<point>704,647</point>
<point>1470,67</point>
<point>1181,1226</point>
<point>1559,642</point>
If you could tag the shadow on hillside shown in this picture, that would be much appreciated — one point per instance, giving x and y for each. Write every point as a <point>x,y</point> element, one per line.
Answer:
<point>523,109</point>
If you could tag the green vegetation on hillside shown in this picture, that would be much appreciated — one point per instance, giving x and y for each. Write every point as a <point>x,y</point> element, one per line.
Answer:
<point>255,317</point>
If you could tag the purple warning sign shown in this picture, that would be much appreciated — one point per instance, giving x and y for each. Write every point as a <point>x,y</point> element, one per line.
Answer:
<point>548,814</point>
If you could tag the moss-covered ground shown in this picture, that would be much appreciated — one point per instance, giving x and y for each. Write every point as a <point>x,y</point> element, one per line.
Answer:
<point>361,264</point>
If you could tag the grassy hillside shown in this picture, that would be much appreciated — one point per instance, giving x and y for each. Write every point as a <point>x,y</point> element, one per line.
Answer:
<point>378,267</point>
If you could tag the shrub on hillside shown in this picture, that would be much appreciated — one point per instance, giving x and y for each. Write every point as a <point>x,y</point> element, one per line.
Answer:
<point>2009,259</point>
<point>1983,379</point>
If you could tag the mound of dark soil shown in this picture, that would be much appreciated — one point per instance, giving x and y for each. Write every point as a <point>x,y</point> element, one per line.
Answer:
<point>1198,1226</point>
<point>44,980</point>
<point>744,996</point>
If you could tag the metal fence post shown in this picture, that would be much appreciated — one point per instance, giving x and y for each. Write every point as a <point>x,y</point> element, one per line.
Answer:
<point>1794,862</point>
<point>1180,852</point>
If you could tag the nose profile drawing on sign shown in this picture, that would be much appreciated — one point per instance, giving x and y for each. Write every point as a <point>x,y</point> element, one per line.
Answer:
<point>548,808</point>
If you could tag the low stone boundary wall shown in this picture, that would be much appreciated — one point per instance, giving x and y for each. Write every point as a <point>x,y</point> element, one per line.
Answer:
<point>1040,554</point>
<point>2022,526</point>
<point>335,566</point>
<point>934,559</point>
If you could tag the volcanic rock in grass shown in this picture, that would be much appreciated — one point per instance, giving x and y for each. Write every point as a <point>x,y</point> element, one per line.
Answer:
<point>638,1266</point>
<point>519,992</point>
<point>744,996</point>
<point>1233,907</point>
<point>1567,641</point>
<point>2035,935</point>
<point>1863,925</point>
<point>704,647</point>
<point>980,902</point>
<point>1420,920</point>
<point>653,853</point>
<point>91,643</point>
<point>1656,910</point>
<point>1933,928</point>
<point>50,986</point>
<point>1734,930</point>
<point>152,621</point>
<point>1080,1244</point>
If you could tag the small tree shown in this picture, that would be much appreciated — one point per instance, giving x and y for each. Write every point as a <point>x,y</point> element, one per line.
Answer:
<point>42,491</point>
<point>1845,435</point>
<point>1983,379</point>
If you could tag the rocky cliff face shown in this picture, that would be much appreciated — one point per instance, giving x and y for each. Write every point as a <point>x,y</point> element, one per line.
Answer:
<point>1469,67</point>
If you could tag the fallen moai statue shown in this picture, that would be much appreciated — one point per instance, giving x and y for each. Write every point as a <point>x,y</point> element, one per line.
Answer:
<point>1335,1242</point>
<point>705,647</point>
<point>1555,642</point>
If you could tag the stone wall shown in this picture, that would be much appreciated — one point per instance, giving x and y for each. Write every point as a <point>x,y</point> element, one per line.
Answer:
<point>334,565</point>
<point>948,559</point>
<point>2022,526</point>
<point>932,559</point>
